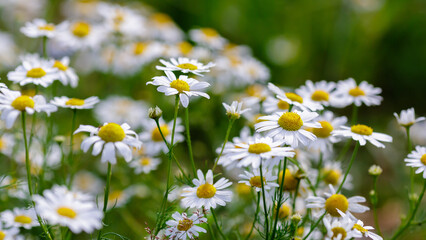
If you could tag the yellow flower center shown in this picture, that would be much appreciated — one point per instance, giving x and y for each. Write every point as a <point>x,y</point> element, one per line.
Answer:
<point>338,231</point>
<point>75,102</point>
<point>290,121</point>
<point>115,195</point>
<point>145,161</point>
<point>300,231</point>
<point>22,102</point>
<point>423,159</point>
<point>284,212</point>
<point>324,131</point>
<point>139,48</point>
<point>156,135</point>
<point>111,132</point>
<point>210,32</point>
<point>2,144</point>
<point>259,148</point>
<point>320,95</point>
<point>188,66</point>
<point>283,105</point>
<point>161,18</point>
<point>294,97</point>
<point>336,201</point>
<point>290,181</point>
<point>36,73</point>
<point>60,66</point>
<point>66,212</point>
<point>356,92</point>
<point>243,189</point>
<point>332,176</point>
<point>255,91</point>
<point>2,235</point>
<point>185,47</point>
<point>256,182</point>
<point>180,85</point>
<point>81,29</point>
<point>185,224</point>
<point>206,191</point>
<point>360,228</point>
<point>362,129</point>
<point>47,27</point>
<point>23,219</point>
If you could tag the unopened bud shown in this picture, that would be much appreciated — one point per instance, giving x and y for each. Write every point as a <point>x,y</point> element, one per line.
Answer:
<point>375,170</point>
<point>413,197</point>
<point>155,113</point>
<point>295,218</point>
<point>59,139</point>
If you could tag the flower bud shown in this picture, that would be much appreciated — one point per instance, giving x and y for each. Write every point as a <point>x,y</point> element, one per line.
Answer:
<point>295,218</point>
<point>59,139</point>
<point>375,170</point>
<point>155,113</point>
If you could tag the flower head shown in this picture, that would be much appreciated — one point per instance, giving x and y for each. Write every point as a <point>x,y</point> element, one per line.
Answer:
<point>362,134</point>
<point>41,28</point>
<point>349,92</point>
<point>183,227</point>
<point>417,159</point>
<point>34,70</point>
<point>408,117</point>
<point>75,103</point>
<point>235,109</point>
<point>19,217</point>
<point>185,65</point>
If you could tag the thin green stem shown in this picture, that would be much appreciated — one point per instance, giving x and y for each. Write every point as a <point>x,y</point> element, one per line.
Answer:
<point>71,152</point>
<point>255,216</point>
<point>354,114</point>
<point>217,225</point>
<point>265,209</point>
<point>349,167</point>
<point>188,141</point>
<point>45,47</point>
<point>228,131</point>
<point>211,231</point>
<point>319,170</point>
<point>412,175</point>
<point>279,199</point>
<point>344,150</point>
<point>314,226</point>
<point>293,206</point>
<point>106,196</point>
<point>374,203</point>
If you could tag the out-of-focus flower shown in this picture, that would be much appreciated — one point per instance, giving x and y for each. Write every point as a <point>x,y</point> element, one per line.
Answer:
<point>8,233</point>
<point>235,109</point>
<point>207,37</point>
<point>144,164</point>
<point>19,217</point>
<point>253,179</point>
<point>362,134</point>
<point>34,70</point>
<point>66,75</point>
<point>417,159</point>
<point>407,118</point>
<point>82,35</point>
<point>75,103</point>
<point>185,65</point>
<point>351,93</point>
<point>40,28</point>
<point>375,170</point>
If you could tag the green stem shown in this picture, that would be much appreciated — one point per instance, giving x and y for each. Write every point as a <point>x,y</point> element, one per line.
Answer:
<point>319,170</point>
<point>412,175</point>
<point>71,152</point>
<point>354,114</point>
<point>349,167</point>
<point>188,141</point>
<point>106,196</point>
<point>217,225</point>
<point>314,226</point>
<point>374,203</point>
<point>255,216</point>
<point>293,206</point>
<point>228,131</point>
<point>265,209</point>
<point>279,199</point>
<point>344,150</point>
<point>413,214</point>
<point>45,47</point>
<point>311,186</point>
<point>211,231</point>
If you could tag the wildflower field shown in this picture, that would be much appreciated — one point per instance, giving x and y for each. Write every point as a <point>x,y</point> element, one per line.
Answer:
<point>197,120</point>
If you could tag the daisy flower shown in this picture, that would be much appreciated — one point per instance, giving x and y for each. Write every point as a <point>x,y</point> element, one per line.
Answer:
<point>184,86</point>
<point>335,201</point>
<point>75,103</point>
<point>19,217</point>
<point>163,28</point>
<point>294,99</point>
<point>253,179</point>
<point>41,28</point>
<point>62,208</point>
<point>185,65</point>
<point>319,92</point>
<point>108,138</point>
<point>272,104</point>
<point>12,103</point>
<point>224,160</point>
<point>82,35</point>
<point>87,182</point>
<point>338,229</point>
<point>7,144</point>
<point>252,70</point>
<point>362,134</point>
<point>145,164</point>
<point>365,93</point>
<point>361,231</point>
<point>205,193</point>
<point>289,126</point>
<point>34,70</point>
<point>66,75</point>
<point>235,109</point>
<point>183,227</point>
<point>257,149</point>
<point>207,37</point>
<point>408,117</point>
<point>332,174</point>
<point>8,233</point>
<point>291,178</point>
<point>417,159</point>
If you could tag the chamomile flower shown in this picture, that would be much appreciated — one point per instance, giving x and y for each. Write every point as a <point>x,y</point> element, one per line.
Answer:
<point>365,93</point>
<point>294,99</point>
<point>183,86</point>
<point>185,65</point>
<point>206,193</point>
<point>82,35</point>
<point>7,144</point>
<point>87,182</point>
<point>19,217</point>
<point>319,92</point>
<point>361,231</point>
<point>163,28</point>
<point>272,104</point>
<point>224,160</point>
<point>207,37</point>
<point>235,109</point>
<point>362,134</point>
<point>338,229</point>
<point>417,159</point>
<point>8,233</point>
<point>75,103</point>
<point>183,227</point>
<point>408,117</point>
<point>252,71</point>
<point>12,103</point>
<point>257,149</point>
<point>34,70</point>
<point>144,164</point>
<point>289,126</point>
<point>66,75</point>
<point>253,179</point>
<point>62,208</point>
<point>335,201</point>
<point>332,174</point>
<point>40,28</point>
<point>109,138</point>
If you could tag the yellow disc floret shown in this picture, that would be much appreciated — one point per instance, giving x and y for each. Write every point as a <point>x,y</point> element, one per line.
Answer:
<point>332,176</point>
<point>161,18</point>
<point>2,235</point>
<point>256,182</point>
<point>111,132</point>
<point>283,105</point>
<point>206,191</point>
<point>320,95</point>
<point>210,32</point>
<point>324,131</point>
<point>423,159</point>
<point>81,29</point>
<point>139,48</point>
<point>360,228</point>
<point>156,135</point>
<point>60,66</point>
<point>185,224</point>
<point>362,129</point>
<point>356,92</point>
<point>145,161</point>
<point>47,27</point>
<point>75,102</point>
<point>290,181</point>
<point>23,219</point>
<point>338,231</point>
<point>185,47</point>
<point>188,66</point>
<point>180,85</point>
<point>294,97</point>
<point>242,189</point>
<point>290,121</point>
<point>258,148</point>
<point>22,102</point>
<point>336,201</point>
<point>66,212</point>
<point>36,73</point>
<point>284,212</point>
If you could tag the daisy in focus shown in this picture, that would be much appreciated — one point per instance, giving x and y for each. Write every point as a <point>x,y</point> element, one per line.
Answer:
<point>40,28</point>
<point>364,93</point>
<point>19,217</point>
<point>183,86</point>
<point>34,70</point>
<point>62,208</point>
<point>235,109</point>
<point>294,99</point>
<point>417,159</point>
<point>183,227</point>
<point>362,134</point>
<point>75,103</point>
<point>206,193</point>
<point>338,229</point>
<point>253,179</point>
<point>66,75</point>
<point>185,65</point>
<point>152,139</point>
<point>13,103</point>
<point>110,139</point>
<point>407,118</point>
